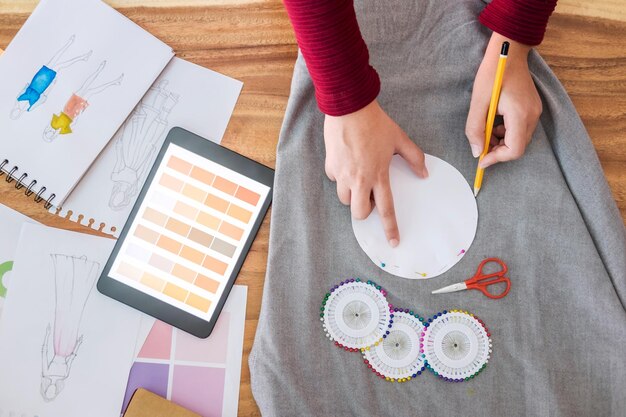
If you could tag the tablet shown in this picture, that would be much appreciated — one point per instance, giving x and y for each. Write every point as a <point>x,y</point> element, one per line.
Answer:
<point>189,232</point>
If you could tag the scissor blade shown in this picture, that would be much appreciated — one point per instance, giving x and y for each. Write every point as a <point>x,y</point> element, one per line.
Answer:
<point>451,288</point>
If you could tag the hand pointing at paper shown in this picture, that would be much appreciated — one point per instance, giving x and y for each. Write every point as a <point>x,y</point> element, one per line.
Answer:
<point>359,147</point>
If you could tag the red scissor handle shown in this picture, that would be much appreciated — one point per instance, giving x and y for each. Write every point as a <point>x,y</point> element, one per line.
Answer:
<point>482,281</point>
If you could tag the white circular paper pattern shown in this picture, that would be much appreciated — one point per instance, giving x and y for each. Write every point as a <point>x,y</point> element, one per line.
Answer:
<point>437,219</point>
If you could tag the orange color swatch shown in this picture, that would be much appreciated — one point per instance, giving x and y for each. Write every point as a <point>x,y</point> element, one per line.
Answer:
<point>208,220</point>
<point>248,196</point>
<point>169,244</point>
<point>177,227</point>
<point>224,185</point>
<point>179,165</point>
<point>183,273</point>
<point>216,203</point>
<point>239,213</point>
<point>192,255</point>
<point>198,302</point>
<point>207,283</point>
<point>214,265</point>
<point>202,175</point>
<point>231,231</point>
<point>194,193</point>
<point>175,292</point>
<point>151,281</point>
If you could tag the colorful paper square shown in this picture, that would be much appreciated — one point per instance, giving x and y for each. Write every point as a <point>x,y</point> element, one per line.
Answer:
<point>151,376</point>
<point>199,389</point>
<point>159,342</point>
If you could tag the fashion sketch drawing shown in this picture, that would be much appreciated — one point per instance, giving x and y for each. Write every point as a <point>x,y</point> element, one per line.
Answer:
<point>36,92</point>
<point>74,279</point>
<point>62,123</point>
<point>136,148</point>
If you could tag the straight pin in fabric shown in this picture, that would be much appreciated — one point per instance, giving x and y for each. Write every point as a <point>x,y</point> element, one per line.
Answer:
<point>491,115</point>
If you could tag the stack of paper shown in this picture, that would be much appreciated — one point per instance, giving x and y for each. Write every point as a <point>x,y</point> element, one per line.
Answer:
<point>84,113</point>
<point>202,375</point>
<point>68,348</point>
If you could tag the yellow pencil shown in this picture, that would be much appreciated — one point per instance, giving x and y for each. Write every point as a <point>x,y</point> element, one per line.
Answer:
<point>491,115</point>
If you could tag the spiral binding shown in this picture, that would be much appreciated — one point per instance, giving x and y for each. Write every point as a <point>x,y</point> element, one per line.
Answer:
<point>19,184</point>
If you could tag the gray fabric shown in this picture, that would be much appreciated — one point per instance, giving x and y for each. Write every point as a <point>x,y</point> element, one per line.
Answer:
<point>559,337</point>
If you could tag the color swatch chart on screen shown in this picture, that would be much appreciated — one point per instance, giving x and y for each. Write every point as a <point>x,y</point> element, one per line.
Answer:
<point>189,231</point>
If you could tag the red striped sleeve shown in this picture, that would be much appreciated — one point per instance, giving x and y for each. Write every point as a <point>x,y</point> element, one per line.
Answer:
<point>329,37</point>
<point>523,21</point>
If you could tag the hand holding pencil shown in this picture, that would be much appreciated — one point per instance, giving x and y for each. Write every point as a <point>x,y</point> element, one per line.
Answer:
<point>516,100</point>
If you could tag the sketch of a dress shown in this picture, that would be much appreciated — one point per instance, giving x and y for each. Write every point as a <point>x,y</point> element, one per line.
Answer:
<point>74,279</point>
<point>77,103</point>
<point>141,137</point>
<point>36,92</point>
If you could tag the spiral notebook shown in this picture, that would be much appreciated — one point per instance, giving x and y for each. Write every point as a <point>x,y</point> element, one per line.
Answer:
<point>67,83</point>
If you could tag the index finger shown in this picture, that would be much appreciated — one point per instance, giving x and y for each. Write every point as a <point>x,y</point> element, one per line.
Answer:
<point>386,210</point>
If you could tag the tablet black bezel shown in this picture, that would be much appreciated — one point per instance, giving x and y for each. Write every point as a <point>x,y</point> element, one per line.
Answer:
<point>153,306</point>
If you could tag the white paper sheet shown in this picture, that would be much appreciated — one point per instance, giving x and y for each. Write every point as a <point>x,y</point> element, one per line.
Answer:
<point>66,348</point>
<point>437,219</point>
<point>202,375</point>
<point>68,80</point>
<point>147,322</point>
<point>10,226</point>
<point>185,95</point>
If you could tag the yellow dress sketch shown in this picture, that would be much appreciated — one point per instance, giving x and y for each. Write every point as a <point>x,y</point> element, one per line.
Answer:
<point>73,108</point>
<point>61,124</point>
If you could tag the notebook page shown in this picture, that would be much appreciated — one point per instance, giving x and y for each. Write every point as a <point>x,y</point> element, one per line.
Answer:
<point>68,80</point>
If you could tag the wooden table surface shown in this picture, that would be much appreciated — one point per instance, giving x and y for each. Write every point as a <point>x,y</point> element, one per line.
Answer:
<point>251,40</point>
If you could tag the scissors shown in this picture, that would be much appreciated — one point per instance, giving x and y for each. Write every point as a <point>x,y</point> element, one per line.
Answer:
<point>481,281</point>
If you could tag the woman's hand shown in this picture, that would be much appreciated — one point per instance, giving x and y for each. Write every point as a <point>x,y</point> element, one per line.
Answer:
<point>359,147</point>
<point>519,104</point>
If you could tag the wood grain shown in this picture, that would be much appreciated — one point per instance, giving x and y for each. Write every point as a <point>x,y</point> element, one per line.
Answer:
<point>588,56</point>
<point>607,9</point>
<point>252,41</point>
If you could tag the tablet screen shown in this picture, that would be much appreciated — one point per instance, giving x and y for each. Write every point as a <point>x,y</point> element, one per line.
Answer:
<point>189,232</point>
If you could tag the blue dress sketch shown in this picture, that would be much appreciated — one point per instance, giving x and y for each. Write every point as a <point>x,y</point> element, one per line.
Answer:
<point>141,137</point>
<point>36,92</point>
<point>61,124</point>
<point>74,279</point>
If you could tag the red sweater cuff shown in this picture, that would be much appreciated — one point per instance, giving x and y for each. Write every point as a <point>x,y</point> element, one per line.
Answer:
<point>329,37</point>
<point>523,21</point>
